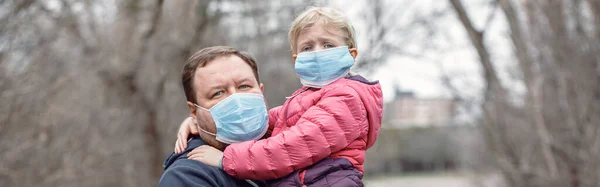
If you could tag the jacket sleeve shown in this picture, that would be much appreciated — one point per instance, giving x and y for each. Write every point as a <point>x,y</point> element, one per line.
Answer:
<point>325,128</point>
<point>273,117</point>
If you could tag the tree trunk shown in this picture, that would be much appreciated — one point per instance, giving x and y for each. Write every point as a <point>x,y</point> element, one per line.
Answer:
<point>595,7</point>
<point>533,82</point>
<point>494,105</point>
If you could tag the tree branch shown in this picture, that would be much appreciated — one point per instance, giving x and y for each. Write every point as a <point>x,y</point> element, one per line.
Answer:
<point>476,38</point>
<point>490,17</point>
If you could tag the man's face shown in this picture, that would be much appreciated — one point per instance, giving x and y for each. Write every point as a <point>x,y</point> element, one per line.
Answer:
<point>217,80</point>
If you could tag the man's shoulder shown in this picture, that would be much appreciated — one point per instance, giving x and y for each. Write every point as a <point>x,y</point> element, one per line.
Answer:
<point>186,172</point>
<point>189,164</point>
<point>193,167</point>
<point>181,171</point>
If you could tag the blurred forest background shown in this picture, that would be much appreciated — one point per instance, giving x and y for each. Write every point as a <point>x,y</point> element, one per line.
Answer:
<point>90,90</point>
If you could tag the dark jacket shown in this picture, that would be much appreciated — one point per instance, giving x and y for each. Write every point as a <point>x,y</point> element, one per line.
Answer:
<point>181,171</point>
<point>330,172</point>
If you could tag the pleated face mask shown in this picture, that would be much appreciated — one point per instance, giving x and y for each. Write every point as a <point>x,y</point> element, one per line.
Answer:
<point>320,68</point>
<point>240,117</point>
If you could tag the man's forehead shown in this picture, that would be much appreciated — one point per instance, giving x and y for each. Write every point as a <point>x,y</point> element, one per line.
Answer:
<point>222,70</point>
<point>223,65</point>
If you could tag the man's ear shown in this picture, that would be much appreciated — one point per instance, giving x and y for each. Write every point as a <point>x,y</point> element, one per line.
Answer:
<point>294,57</point>
<point>262,87</point>
<point>354,53</point>
<point>193,109</point>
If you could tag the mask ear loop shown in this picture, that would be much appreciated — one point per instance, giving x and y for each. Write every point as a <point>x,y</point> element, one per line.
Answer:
<point>198,125</point>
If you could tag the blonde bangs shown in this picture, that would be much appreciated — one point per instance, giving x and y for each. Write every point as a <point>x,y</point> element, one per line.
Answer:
<point>328,16</point>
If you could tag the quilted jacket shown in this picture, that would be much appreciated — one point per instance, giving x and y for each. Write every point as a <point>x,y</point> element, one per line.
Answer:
<point>340,120</point>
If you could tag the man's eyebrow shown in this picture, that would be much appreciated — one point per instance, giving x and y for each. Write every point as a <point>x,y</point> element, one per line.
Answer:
<point>244,80</point>
<point>213,87</point>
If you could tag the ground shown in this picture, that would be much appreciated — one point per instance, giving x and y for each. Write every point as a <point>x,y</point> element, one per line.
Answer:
<point>433,180</point>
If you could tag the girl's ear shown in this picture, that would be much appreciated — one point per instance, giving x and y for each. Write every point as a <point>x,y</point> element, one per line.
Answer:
<point>262,87</point>
<point>294,57</point>
<point>353,52</point>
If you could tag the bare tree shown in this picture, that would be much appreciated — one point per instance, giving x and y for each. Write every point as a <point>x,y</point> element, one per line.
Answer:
<point>558,65</point>
<point>90,98</point>
<point>90,90</point>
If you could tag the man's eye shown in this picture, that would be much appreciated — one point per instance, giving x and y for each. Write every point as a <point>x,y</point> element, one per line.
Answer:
<point>306,48</point>
<point>329,46</point>
<point>219,93</point>
<point>244,87</point>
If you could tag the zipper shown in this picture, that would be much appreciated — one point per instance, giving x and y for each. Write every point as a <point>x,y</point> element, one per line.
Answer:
<point>292,96</point>
<point>287,106</point>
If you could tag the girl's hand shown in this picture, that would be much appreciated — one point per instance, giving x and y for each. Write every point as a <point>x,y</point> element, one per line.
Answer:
<point>208,155</point>
<point>187,127</point>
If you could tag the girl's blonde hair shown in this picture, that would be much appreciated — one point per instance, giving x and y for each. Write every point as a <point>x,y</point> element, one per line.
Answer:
<point>328,16</point>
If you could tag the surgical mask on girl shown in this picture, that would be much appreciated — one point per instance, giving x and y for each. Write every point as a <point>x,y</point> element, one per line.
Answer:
<point>240,117</point>
<point>320,68</point>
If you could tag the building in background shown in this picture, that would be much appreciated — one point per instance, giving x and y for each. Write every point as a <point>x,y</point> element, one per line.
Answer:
<point>407,111</point>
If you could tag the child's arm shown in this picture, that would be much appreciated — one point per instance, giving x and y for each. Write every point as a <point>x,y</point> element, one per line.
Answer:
<point>325,128</point>
<point>188,127</point>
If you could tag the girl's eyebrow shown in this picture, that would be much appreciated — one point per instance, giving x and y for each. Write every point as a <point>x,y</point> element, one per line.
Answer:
<point>324,39</point>
<point>321,38</point>
<point>306,42</point>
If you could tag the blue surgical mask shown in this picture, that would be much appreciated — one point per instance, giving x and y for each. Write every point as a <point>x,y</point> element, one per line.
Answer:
<point>320,68</point>
<point>240,117</point>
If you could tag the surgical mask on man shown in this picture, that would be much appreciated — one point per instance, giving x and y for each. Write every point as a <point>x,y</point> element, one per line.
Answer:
<point>320,68</point>
<point>240,117</point>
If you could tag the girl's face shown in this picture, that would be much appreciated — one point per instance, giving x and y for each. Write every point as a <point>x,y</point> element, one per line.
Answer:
<point>318,37</point>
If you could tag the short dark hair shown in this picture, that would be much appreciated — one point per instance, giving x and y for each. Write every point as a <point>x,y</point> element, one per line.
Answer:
<point>206,55</point>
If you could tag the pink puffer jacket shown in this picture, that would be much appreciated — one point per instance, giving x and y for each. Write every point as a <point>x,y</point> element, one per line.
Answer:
<point>340,120</point>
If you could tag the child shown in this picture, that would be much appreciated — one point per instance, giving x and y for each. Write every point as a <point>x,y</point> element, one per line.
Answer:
<point>319,136</point>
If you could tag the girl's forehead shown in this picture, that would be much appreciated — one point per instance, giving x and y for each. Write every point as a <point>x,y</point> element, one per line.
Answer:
<point>320,29</point>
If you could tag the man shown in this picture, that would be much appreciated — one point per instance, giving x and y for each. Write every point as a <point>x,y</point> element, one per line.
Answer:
<point>211,76</point>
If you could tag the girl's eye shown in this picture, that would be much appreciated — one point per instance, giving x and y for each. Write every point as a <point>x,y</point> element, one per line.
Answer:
<point>219,93</point>
<point>328,46</point>
<point>243,87</point>
<point>306,48</point>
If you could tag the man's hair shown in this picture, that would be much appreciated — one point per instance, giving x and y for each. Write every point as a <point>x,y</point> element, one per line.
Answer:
<point>328,16</point>
<point>203,57</point>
